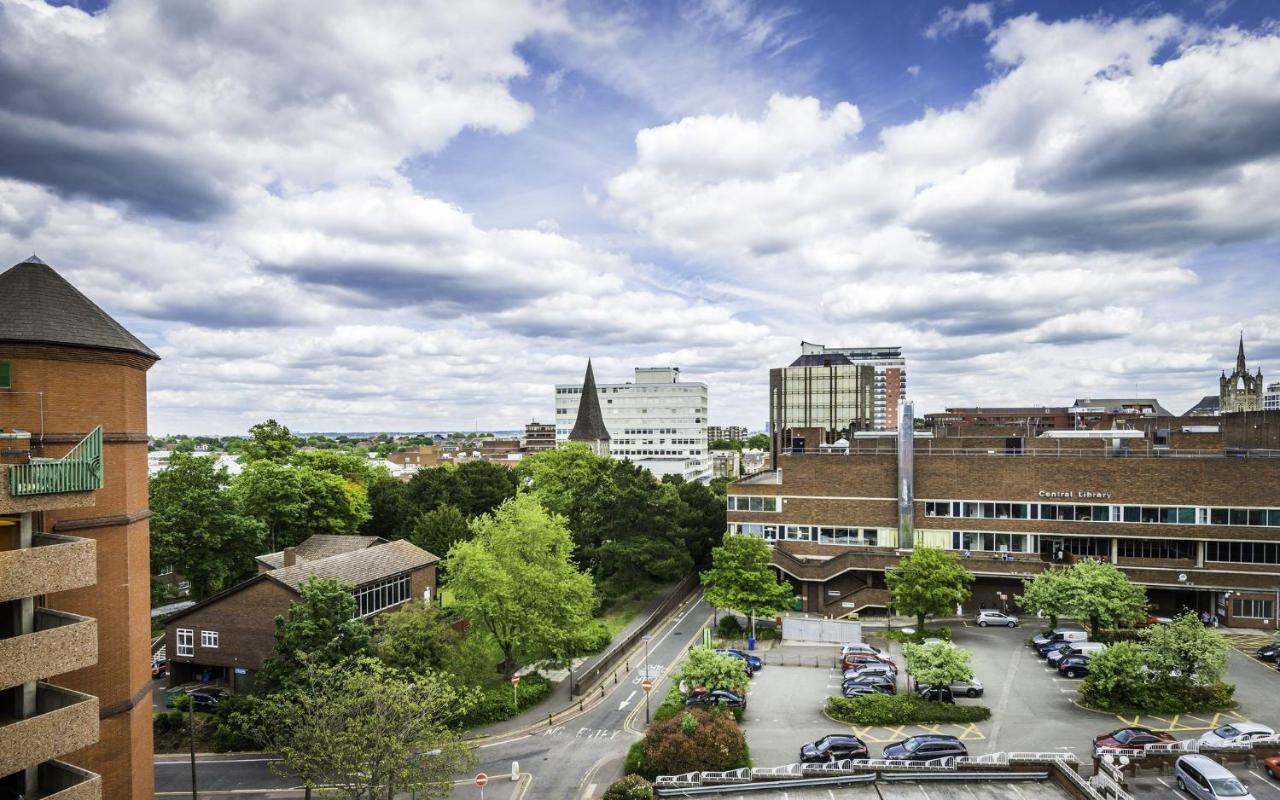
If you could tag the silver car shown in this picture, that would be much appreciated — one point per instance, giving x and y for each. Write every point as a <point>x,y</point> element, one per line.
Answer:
<point>1206,779</point>
<point>989,616</point>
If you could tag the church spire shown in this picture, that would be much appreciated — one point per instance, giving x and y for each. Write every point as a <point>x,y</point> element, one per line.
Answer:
<point>1240,368</point>
<point>589,426</point>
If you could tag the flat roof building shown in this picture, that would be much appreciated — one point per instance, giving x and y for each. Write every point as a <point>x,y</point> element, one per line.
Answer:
<point>890,379</point>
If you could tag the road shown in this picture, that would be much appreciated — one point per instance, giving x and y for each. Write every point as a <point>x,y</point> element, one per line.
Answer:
<point>574,760</point>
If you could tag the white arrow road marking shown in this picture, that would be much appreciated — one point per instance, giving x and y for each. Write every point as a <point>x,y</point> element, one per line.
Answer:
<point>623,704</point>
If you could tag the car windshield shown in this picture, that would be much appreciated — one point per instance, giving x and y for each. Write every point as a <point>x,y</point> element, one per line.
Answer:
<point>911,745</point>
<point>1122,736</point>
<point>1227,787</point>
<point>1227,732</point>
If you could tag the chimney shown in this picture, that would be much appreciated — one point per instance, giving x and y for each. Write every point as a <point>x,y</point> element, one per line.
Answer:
<point>290,556</point>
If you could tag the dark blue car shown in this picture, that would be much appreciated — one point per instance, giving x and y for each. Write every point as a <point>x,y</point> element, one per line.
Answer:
<point>756,662</point>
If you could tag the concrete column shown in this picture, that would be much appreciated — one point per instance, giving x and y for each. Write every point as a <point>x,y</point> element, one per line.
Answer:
<point>1115,551</point>
<point>1199,554</point>
<point>26,625</point>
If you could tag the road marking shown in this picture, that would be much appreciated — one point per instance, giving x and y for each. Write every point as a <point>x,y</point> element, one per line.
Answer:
<point>186,761</point>
<point>504,741</point>
<point>624,703</point>
<point>1162,783</point>
<point>591,791</point>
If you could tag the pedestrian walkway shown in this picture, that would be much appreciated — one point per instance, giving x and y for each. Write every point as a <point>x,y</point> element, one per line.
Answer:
<point>560,698</point>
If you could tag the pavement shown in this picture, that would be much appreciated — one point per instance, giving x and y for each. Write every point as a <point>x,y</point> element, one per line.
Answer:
<point>573,760</point>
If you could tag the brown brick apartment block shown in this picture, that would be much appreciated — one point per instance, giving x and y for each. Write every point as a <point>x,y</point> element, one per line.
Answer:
<point>74,572</point>
<point>1199,526</point>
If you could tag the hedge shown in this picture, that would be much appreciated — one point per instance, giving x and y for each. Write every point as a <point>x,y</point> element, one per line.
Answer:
<point>1163,697</point>
<point>696,740</point>
<point>494,705</point>
<point>902,709</point>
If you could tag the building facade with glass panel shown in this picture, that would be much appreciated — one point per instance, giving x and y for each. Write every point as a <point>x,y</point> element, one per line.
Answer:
<point>1199,528</point>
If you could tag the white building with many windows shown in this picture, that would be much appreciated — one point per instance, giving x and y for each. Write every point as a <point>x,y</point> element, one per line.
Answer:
<point>657,421</point>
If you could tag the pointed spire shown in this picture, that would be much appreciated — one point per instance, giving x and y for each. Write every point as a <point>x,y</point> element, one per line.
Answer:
<point>589,426</point>
<point>1240,356</point>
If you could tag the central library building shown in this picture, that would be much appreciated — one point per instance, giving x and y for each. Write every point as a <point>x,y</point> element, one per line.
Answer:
<point>1192,512</point>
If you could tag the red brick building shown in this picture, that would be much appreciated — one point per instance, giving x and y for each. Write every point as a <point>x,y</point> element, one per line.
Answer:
<point>74,549</point>
<point>1199,526</point>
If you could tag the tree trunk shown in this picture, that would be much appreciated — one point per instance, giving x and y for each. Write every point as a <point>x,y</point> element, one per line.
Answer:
<point>920,623</point>
<point>1053,622</point>
<point>1095,627</point>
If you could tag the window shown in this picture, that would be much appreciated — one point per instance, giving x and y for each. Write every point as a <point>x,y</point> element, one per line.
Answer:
<point>1260,609</point>
<point>186,642</point>
<point>374,597</point>
<point>1156,548</point>
<point>209,639</point>
<point>1243,552</point>
<point>6,375</point>
<point>739,503</point>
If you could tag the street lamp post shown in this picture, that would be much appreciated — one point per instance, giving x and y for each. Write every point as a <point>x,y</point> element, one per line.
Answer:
<point>646,639</point>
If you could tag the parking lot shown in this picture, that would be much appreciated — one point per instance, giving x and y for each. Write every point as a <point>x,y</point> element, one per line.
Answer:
<point>1153,785</point>
<point>1033,709</point>
<point>934,790</point>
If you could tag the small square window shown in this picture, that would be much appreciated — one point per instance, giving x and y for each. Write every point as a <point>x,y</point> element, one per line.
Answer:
<point>185,641</point>
<point>209,639</point>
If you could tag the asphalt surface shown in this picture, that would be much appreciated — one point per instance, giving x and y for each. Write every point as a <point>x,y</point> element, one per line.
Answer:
<point>574,760</point>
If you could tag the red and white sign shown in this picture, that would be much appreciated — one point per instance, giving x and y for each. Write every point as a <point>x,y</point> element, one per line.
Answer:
<point>481,779</point>
<point>646,684</point>
<point>515,680</point>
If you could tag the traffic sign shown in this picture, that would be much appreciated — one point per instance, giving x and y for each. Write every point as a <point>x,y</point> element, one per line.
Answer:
<point>481,779</point>
<point>515,680</point>
<point>646,684</point>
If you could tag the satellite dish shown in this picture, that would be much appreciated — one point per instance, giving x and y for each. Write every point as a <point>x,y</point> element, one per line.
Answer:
<point>1182,577</point>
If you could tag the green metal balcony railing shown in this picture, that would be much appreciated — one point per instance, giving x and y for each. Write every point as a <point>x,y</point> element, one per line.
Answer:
<point>78,471</point>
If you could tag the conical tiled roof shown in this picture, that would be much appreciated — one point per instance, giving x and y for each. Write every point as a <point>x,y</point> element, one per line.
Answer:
<point>41,306</point>
<point>589,426</point>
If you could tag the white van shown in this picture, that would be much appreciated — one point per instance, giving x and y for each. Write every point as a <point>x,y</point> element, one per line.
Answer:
<point>1203,778</point>
<point>1076,649</point>
<point>1059,635</point>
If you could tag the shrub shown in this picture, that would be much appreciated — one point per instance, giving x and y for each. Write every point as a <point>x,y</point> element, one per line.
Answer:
<point>596,637</point>
<point>706,667</point>
<point>1164,697</point>
<point>715,743</point>
<point>632,787</point>
<point>494,705</point>
<point>671,705</point>
<point>232,731</point>
<point>902,709</point>
<point>730,628</point>
<point>634,762</point>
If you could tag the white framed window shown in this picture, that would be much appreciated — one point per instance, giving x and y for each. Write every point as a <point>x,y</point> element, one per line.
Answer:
<point>209,639</point>
<point>186,642</point>
<point>374,597</point>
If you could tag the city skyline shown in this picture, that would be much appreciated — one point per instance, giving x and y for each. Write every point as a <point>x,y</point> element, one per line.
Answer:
<point>409,233</point>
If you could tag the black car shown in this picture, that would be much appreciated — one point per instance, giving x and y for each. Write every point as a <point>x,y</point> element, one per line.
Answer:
<point>206,699</point>
<point>925,747</point>
<point>861,688</point>
<point>1074,666</point>
<point>938,694</point>
<point>1048,647</point>
<point>833,748</point>
<point>1269,652</point>
<point>756,662</point>
<point>873,678</point>
<point>719,697</point>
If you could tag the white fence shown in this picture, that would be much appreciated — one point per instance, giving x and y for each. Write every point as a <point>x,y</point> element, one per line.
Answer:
<point>835,631</point>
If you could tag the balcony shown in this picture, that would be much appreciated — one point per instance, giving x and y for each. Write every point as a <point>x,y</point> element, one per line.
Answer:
<point>58,781</point>
<point>60,642</point>
<point>64,721</point>
<point>77,473</point>
<point>54,563</point>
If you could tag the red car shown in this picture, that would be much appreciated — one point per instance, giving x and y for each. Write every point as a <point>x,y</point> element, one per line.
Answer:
<point>1132,738</point>
<point>159,669</point>
<point>1273,766</point>
<point>851,660</point>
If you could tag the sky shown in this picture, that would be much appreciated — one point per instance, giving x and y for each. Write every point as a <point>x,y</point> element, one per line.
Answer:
<point>413,215</point>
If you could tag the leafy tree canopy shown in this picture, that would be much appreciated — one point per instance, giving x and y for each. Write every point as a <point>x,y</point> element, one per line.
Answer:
<point>929,581</point>
<point>416,638</point>
<point>1099,592</point>
<point>705,668</point>
<point>296,502</point>
<point>268,441</point>
<point>515,578</point>
<point>759,441</point>
<point>197,526</point>
<point>939,664</point>
<point>742,578</point>
<point>1045,594</point>
<point>390,509</point>
<point>438,530</point>
<point>1185,649</point>
<point>320,630</point>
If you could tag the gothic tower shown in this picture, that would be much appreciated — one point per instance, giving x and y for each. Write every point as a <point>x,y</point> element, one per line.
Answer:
<point>1240,391</point>
<point>589,427</point>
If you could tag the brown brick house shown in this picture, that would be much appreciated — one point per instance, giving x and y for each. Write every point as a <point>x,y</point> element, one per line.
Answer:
<point>227,637</point>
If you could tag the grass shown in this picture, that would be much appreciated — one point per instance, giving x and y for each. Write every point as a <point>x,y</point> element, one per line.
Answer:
<point>622,610</point>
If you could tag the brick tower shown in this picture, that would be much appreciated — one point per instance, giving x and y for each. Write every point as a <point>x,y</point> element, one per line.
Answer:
<point>73,400</point>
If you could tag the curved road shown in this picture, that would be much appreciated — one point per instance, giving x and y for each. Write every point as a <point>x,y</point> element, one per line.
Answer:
<point>574,760</point>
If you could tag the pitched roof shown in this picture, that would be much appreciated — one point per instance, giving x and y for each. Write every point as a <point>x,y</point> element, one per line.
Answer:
<point>589,426</point>
<point>322,546</point>
<point>357,567</point>
<point>44,307</point>
<point>1209,404</point>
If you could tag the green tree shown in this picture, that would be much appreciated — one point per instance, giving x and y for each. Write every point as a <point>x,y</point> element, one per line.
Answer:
<point>198,528</point>
<point>1117,676</point>
<point>1186,651</point>
<point>516,579</point>
<point>483,486</point>
<point>438,530</point>
<point>1099,592</point>
<point>417,637</point>
<point>390,509</point>
<point>320,629</point>
<point>295,502</point>
<point>1045,594</point>
<point>939,664</point>
<point>369,731</point>
<point>269,441</point>
<point>701,518</point>
<point>929,581</point>
<point>759,441</point>
<point>637,522</point>
<point>742,578</point>
<point>351,467</point>
<point>568,480</point>
<point>710,670</point>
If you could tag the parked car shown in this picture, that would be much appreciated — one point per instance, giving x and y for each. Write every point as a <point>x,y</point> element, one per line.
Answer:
<point>1269,652</point>
<point>1075,649</point>
<point>1132,738</point>
<point>1054,644</point>
<point>159,669</point>
<point>1272,763</point>
<point>924,747</point>
<point>833,748</point>
<point>1235,733</point>
<point>884,684</point>
<point>1205,779</point>
<point>1060,635</point>
<point>969,688</point>
<point>871,669</point>
<point>990,616</point>
<point>718,697</point>
<point>171,694</point>
<point>753,661</point>
<point>1074,666</point>
<point>207,698</point>
<point>859,647</point>
<point>853,659</point>
<point>937,694</point>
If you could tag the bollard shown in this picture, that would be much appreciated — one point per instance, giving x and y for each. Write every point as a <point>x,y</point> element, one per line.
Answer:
<point>615,677</point>
<point>515,771</point>
<point>579,705</point>
<point>601,692</point>
<point>549,725</point>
